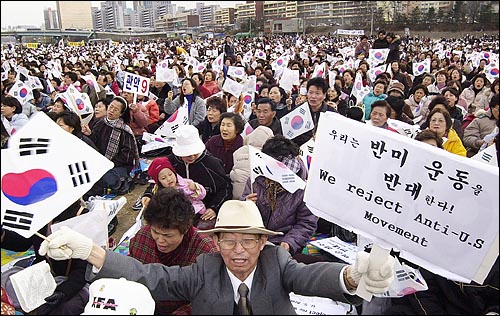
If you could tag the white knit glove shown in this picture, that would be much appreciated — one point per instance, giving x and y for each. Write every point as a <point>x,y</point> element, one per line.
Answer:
<point>65,244</point>
<point>377,279</point>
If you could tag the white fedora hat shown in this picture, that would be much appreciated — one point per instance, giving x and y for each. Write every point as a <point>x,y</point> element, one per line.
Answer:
<point>188,141</point>
<point>239,217</point>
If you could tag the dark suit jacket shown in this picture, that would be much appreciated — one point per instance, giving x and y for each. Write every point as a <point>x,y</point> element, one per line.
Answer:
<point>207,285</point>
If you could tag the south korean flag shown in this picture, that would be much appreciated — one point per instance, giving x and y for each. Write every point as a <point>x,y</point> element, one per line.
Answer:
<point>44,170</point>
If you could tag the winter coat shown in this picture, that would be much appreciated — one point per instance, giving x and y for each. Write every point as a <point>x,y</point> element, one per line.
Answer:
<point>241,167</point>
<point>215,145</point>
<point>475,132</point>
<point>454,145</point>
<point>481,100</point>
<point>198,109</point>
<point>208,171</point>
<point>291,216</point>
<point>368,101</point>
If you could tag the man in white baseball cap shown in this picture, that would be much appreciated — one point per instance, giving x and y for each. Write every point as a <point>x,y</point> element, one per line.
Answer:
<point>248,276</point>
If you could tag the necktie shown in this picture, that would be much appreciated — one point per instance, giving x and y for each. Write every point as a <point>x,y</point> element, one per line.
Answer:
<point>243,306</point>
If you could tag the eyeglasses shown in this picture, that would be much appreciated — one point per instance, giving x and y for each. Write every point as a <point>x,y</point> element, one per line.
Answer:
<point>245,243</point>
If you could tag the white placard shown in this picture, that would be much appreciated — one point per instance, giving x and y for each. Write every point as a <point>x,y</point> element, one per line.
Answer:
<point>136,84</point>
<point>439,209</point>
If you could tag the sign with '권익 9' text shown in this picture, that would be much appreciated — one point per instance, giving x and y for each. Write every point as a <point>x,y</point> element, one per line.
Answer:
<point>439,209</point>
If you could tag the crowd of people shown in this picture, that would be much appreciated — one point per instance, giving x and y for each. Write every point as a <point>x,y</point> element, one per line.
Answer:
<point>208,227</point>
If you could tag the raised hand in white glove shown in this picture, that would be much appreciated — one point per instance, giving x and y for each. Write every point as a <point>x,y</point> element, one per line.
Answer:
<point>378,279</point>
<point>65,244</point>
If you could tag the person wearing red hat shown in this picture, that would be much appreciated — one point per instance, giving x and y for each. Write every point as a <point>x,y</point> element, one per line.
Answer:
<point>164,176</point>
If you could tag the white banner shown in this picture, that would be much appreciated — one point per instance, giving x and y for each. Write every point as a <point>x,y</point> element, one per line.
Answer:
<point>45,170</point>
<point>348,32</point>
<point>439,209</point>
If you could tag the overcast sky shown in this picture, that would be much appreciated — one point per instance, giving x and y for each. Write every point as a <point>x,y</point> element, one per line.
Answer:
<point>31,12</point>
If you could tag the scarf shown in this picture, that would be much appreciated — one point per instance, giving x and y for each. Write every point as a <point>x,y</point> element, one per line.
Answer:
<point>189,98</point>
<point>114,139</point>
<point>273,188</point>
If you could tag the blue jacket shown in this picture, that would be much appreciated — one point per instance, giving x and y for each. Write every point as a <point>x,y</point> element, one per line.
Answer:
<point>368,101</point>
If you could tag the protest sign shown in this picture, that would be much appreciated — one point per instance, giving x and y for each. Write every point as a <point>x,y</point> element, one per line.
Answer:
<point>439,209</point>
<point>136,84</point>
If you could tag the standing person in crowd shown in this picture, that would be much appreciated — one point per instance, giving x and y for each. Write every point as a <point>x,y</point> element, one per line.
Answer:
<point>381,41</point>
<point>228,141</point>
<point>12,112</point>
<point>191,160</point>
<point>439,120</point>
<point>247,277</point>
<point>170,238</point>
<point>115,140</point>
<point>476,133</point>
<point>266,116</point>
<point>398,75</point>
<point>394,42</point>
<point>241,167</point>
<point>229,47</point>
<point>363,47</point>
<point>189,96</point>
<point>281,210</point>
<point>210,126</point>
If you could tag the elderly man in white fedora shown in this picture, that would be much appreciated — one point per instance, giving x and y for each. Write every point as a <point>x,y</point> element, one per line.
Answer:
<point>248,276</point>
<point>192,161</point>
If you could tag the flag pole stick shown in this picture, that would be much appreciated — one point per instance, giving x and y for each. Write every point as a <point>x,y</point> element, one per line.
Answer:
<point>63,247</point>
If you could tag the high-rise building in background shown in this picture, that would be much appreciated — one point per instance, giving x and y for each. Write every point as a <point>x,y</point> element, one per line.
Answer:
<point>75,14</point>
<point>50,19</point>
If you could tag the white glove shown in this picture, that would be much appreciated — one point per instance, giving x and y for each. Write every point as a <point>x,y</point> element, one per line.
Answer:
<point>65,244</point>
<point>377,279</point>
